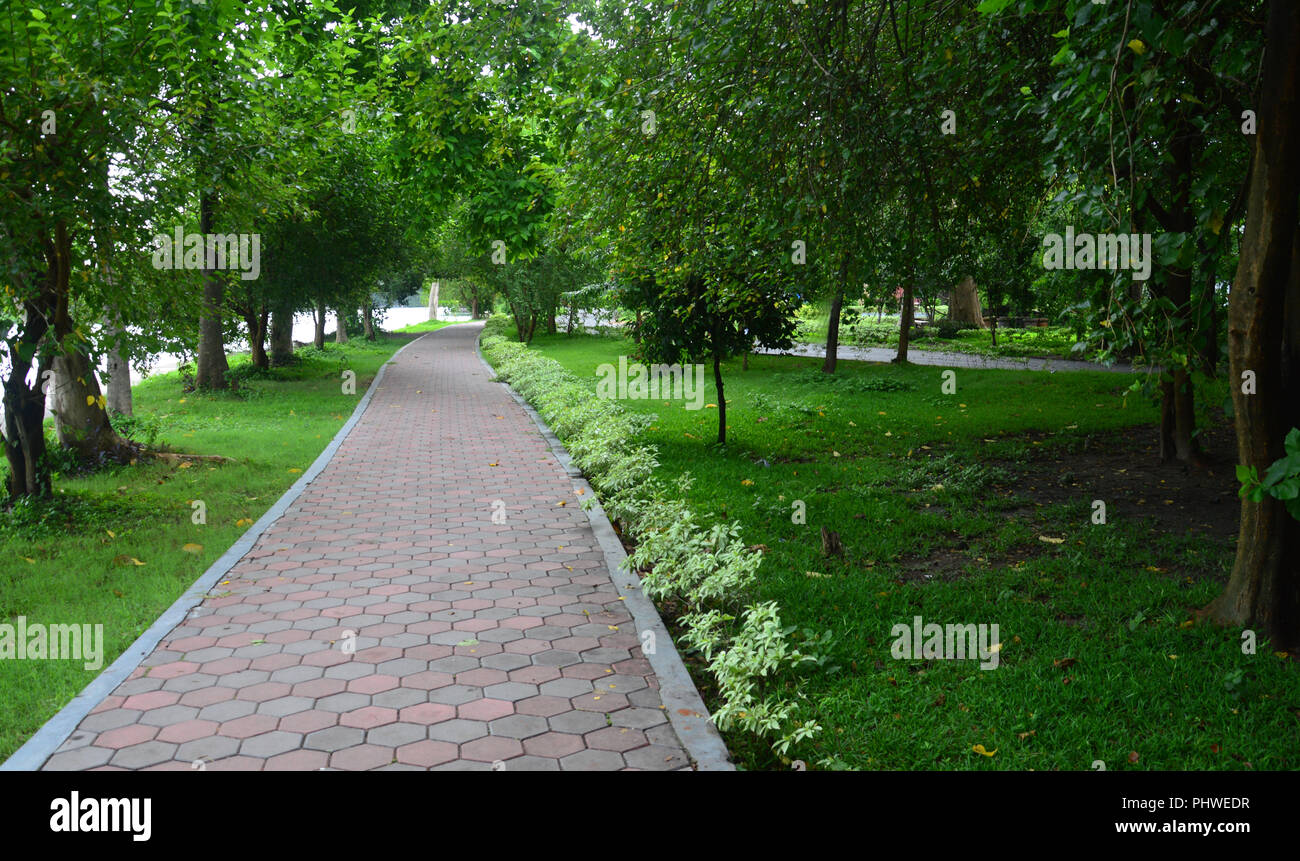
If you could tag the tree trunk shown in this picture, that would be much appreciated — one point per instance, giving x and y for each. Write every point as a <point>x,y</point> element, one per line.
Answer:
<point>473,307</point>
<point>433,300</point>
<point>1264,337</point>
<point>211,365</point>
<point>368,320</point>
<point>340,326</point>
<point>257,339</point>
<point>24,404</point>
<point>1178,418</point>
<point>25,410</point>
<point>1178,407</point>
<point>965,307</point>
<point>119,370</point>
<point>281,338</point>
<point>905,324</point>
<point>833,330</point>
<point>318,316</point>
<point>81,419</point>
<point>722,400</point>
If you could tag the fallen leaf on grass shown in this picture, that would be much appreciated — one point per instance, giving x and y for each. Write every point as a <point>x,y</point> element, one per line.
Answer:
<point>979,748</point>
<point>1133,756</point>
<point>192,548</point>
<point>1065,663</point>
<point>1047,539</point>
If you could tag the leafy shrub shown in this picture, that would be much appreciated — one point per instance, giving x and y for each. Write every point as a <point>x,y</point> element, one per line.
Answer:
<point>948,328</point>
<point>849,384</point>
<point>139,429</point>
<point>708,570</point>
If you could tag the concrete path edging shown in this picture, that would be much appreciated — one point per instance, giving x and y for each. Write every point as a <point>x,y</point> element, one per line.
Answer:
<point>685,707</point>
<point>42,745</point>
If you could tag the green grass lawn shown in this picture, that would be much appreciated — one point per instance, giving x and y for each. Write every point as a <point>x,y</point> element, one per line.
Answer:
<point>116,547</point>
<point>866,331</point>
<point>961,509</point>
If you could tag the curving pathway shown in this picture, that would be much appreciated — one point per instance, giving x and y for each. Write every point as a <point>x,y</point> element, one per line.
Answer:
<point>435,599</point>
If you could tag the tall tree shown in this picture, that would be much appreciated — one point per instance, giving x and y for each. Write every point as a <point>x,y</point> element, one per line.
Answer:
<point>1264,343</point>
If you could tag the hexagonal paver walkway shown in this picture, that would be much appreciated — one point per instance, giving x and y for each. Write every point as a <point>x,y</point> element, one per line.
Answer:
<point>428,602</point>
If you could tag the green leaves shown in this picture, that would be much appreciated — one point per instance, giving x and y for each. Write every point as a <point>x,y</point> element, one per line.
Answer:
<point>1281,480</point>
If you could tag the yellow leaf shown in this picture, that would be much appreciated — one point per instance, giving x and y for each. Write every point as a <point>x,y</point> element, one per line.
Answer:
<point>102,401</point>
<point>29,560</point>
<point>185,464</point>
<point>90,400</point>
<point>979,748</point>
<point>192,548</point>
<point>111,533</point>
<point>746,482</point>
<point>1138,46</point>
<point>244,521</point>
<point>294,469</point>
<point>1049,540</point>
<point>135,561</point>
